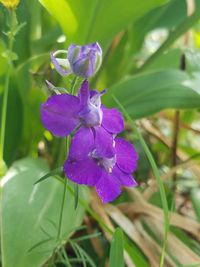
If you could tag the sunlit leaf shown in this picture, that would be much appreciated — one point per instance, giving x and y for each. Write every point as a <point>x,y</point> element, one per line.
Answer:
<point>150,92</point>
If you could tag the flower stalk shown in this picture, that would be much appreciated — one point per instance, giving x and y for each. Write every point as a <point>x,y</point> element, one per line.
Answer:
<point>10,34</point>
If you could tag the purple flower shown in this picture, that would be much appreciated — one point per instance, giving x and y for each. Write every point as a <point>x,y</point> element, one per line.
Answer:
<point>83,61</point>
<point>65,113</point>
<point>88,163</point>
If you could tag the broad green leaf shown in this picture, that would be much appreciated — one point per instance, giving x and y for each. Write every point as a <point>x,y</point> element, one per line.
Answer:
<point>30,214</point>
<point>147,93</point>
<point>116,250</point>
<point>97,20</point>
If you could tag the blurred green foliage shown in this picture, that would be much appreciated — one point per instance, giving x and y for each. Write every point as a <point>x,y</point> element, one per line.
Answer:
<point>143,42</point>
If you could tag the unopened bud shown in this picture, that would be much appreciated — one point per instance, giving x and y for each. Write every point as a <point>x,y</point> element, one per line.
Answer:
<point>85,60</point>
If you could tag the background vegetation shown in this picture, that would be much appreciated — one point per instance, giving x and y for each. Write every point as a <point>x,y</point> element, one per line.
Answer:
<point>151,69</point>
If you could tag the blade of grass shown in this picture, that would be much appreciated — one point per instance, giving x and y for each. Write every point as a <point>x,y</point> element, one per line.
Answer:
<point>79,253</point>
<point>65,256</point>
<point>85,255</point>
<point>61,211</point>
<point>116,250</point>
<point>86,237</point>
<point>156,174</point>
<point>173,35</point>
<point>58,170</point>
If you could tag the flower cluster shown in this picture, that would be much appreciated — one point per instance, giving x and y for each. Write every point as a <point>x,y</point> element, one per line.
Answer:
<point>97,157</point>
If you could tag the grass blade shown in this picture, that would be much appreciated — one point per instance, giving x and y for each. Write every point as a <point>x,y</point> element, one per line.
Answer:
<point>56,171</point>
<point>175,34</point>
<point>156,174</point>
<point>116,250</point>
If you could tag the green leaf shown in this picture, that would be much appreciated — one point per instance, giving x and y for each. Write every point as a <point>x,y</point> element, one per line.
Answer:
<point>148,93</point>
<point>116,250</point>
<point>82,20</point>
<point>30,211</point>
<point>183,27</point>
<point>136,255</point>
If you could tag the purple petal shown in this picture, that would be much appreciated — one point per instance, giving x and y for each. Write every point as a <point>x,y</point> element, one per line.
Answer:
<point>104,143</point>
<point>85,60</point>
<point>59,114</point>
<point>124,178</point>
<point>108,188</point>
<point>83,172</point>
<point>112,120</point>
<point>84,93</point>
<point>126,155</point>
<point>84,66</point>
<point>62,71</point>
<point>82,144</point>
<point>73,52</point>
<point>97,47</point>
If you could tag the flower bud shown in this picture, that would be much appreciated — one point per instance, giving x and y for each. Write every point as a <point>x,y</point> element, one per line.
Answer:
<point>85,60</point>
<point>10,3</point>
<point>61,64</point>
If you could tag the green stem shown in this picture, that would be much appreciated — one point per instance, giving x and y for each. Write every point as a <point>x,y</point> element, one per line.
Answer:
<point>61,210</point>
<point>72,91</point>
<point>7,83</point>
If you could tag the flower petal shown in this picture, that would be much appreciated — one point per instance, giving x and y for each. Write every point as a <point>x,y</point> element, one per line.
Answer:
<point>112,120</point>
<point>73,52</point>
<point>59,114</point>
<point>126,155</point>
<point>108,188</point>
<point>104,143</point>
<point>82,144</point>
<point>83,172</point>
<point>124,178</point>
<point>84,66</point>
<point>61,65</point>
<point>84,93</point>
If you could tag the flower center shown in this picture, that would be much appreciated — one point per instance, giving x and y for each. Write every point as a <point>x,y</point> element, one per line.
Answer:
<point>107,163</point>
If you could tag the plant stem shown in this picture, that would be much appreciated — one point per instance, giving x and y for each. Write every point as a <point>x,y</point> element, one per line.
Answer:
<point>72,91</point>
<point>7,83</point>
<point>61,210</point>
